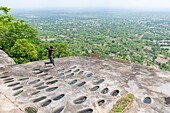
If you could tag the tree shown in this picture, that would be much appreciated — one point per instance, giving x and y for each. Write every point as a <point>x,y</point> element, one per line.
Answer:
<point>12,29</point>
<point>23,51</point>
<point>62,50</point>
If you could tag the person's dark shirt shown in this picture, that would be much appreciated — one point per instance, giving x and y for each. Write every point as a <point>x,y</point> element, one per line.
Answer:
<point>50,52</point>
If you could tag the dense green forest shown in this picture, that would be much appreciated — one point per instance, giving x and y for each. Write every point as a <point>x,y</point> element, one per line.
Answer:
<point>138,37</point>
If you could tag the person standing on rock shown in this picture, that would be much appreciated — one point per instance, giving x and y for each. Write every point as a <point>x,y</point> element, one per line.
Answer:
<point>50,50</point>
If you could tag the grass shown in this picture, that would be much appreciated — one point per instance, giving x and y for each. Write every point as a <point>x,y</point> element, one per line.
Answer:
<point>122,103</point>
<point>30,110</point>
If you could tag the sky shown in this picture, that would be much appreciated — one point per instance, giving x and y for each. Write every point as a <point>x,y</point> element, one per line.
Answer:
<point>130,4</point>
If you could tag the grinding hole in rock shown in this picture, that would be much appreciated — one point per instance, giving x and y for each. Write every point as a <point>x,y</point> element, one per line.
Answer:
<point>99,81</point>
<point>42,87</point>
<point>58,97</point>
<point>71,74</point>
<point>73,82</point>
<point>22,79</point>
<point>36,92</point>
<point>147,100</point>
<point>68,71</point>
<point>94,88</point>
<point>8,79</point>
<point>39,99</point>
<point>16,88</point>
<point>59,110</point>
<point>40,84</point>
<point>51,89</point>
<point>46,103</point>
<point>80,100</point>
<point>48,78</point>
<point>14,84</point>
<point>89,110</point>
<point>81,84</point>
<point>34,81</point>
<point>77,70</point>
<point>89,75</point>
<point>101,102</point>
<point>81,72</point>
<point>73,67</point>
<point>105,90</point>
<point>4,77</point>
<point>167,100</point>
<point>17,93</point>
<point>52,82</point>
<point>115,93</point>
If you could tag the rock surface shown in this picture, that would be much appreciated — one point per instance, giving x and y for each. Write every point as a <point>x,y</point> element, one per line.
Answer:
<point>84,85</point>
<point>5,60</point>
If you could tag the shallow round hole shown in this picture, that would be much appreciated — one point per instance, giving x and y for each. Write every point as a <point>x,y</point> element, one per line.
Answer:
<point>18,92</point>
<point>34,81</point>
<point>68,71</point>
<point>77,70</point>
<point>42,87</point>
<point>51,89</point>
<point>46,103</point>
<point>94,88</point>
<point>101,102</point>
<point>81,84</point>
<point>39,99</point>
<point>22,79</point>
<point>99,81</point>
<point>59,110</point>
<point>81,72</point>
<point>58,97</point>
<point>115,93</point>
<point>8,81</point>
<point>52,82</point>
<point>31,110</point>
<point>80,100</point>
<point>61,69</point>
<point>14,84</point>
<point>40,84</point>
<point>147,100</point>
<point>4,76</point>
<point>89,110</point>
<point>73,82</point>
<point>89,74</point>
<point>16,88</point>
<point>36,92</point>
<point>48,78</point>
<point>105,90</point>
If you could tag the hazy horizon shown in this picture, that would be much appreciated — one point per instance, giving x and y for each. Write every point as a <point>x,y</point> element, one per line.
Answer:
<point>66,4</point>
